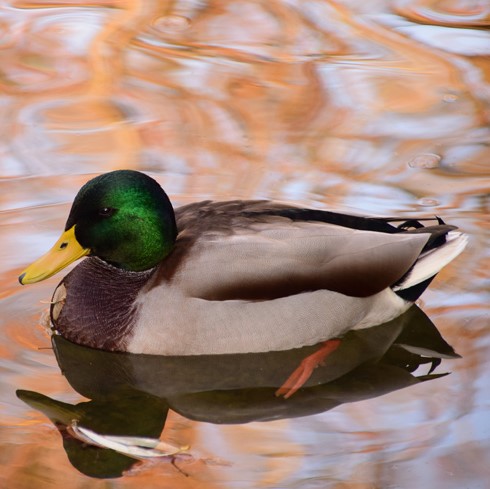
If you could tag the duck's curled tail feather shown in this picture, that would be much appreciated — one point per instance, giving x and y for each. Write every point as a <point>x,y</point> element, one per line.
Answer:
<point>429,263</point>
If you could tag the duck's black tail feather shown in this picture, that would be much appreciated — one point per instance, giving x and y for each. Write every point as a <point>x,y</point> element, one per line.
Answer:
<point>413,293</point>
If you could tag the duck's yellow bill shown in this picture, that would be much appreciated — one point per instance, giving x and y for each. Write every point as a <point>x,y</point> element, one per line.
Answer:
<point>65,251</point>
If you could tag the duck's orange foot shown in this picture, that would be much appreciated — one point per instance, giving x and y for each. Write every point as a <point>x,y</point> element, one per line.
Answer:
<point>297,379</point>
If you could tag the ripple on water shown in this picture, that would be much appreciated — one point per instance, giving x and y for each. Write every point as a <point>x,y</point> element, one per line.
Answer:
<point>459,13</point>
<point>87,133</point>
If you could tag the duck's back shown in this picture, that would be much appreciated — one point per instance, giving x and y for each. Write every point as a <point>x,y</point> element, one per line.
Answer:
<point>258,250</point>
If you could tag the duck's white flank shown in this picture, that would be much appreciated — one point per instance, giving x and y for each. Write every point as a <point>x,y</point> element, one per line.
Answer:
<point>172,324</point>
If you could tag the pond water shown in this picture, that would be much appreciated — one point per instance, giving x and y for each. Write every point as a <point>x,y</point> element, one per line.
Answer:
<point>374,107</point>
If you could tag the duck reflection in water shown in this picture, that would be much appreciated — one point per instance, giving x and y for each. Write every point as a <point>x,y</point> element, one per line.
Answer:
<point>132,393</point>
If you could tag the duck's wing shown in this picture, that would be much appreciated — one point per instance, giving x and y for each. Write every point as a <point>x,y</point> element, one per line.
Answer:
<point>261,251</point>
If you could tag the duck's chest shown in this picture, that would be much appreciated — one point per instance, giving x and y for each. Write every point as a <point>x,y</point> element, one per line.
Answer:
<point>94,305</point>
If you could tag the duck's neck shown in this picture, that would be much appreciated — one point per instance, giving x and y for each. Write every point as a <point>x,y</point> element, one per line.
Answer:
<point>94,304</point>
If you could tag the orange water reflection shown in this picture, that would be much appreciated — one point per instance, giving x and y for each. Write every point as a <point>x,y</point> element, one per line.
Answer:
<point>370,107</point>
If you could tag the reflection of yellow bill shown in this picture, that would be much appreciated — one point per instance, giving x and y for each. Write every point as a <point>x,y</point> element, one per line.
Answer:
<point>65,251</point>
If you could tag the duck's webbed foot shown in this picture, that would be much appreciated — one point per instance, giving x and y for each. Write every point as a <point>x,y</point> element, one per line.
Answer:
<point>303,372</point>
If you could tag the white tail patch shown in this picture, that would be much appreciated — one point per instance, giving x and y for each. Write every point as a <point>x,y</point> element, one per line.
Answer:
<point>425,352</point>
<point>431,262</point>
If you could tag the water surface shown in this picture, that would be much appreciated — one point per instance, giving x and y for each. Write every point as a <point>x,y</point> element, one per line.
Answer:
<point>365,107</point>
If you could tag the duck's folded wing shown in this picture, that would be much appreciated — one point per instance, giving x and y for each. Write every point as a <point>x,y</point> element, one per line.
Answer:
<point>262,261</point>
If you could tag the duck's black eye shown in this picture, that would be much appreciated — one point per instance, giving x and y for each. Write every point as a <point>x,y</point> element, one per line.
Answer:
<point>106,211</point>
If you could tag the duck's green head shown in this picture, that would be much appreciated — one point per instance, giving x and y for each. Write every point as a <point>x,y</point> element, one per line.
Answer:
<point>124,217</point>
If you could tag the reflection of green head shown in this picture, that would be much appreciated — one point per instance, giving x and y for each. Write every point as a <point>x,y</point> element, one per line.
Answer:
<point>125,218</point>
<point>100,463</point>
<point>129,414</point>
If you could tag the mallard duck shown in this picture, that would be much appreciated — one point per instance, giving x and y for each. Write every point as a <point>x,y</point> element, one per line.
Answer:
<point>229,277</point>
